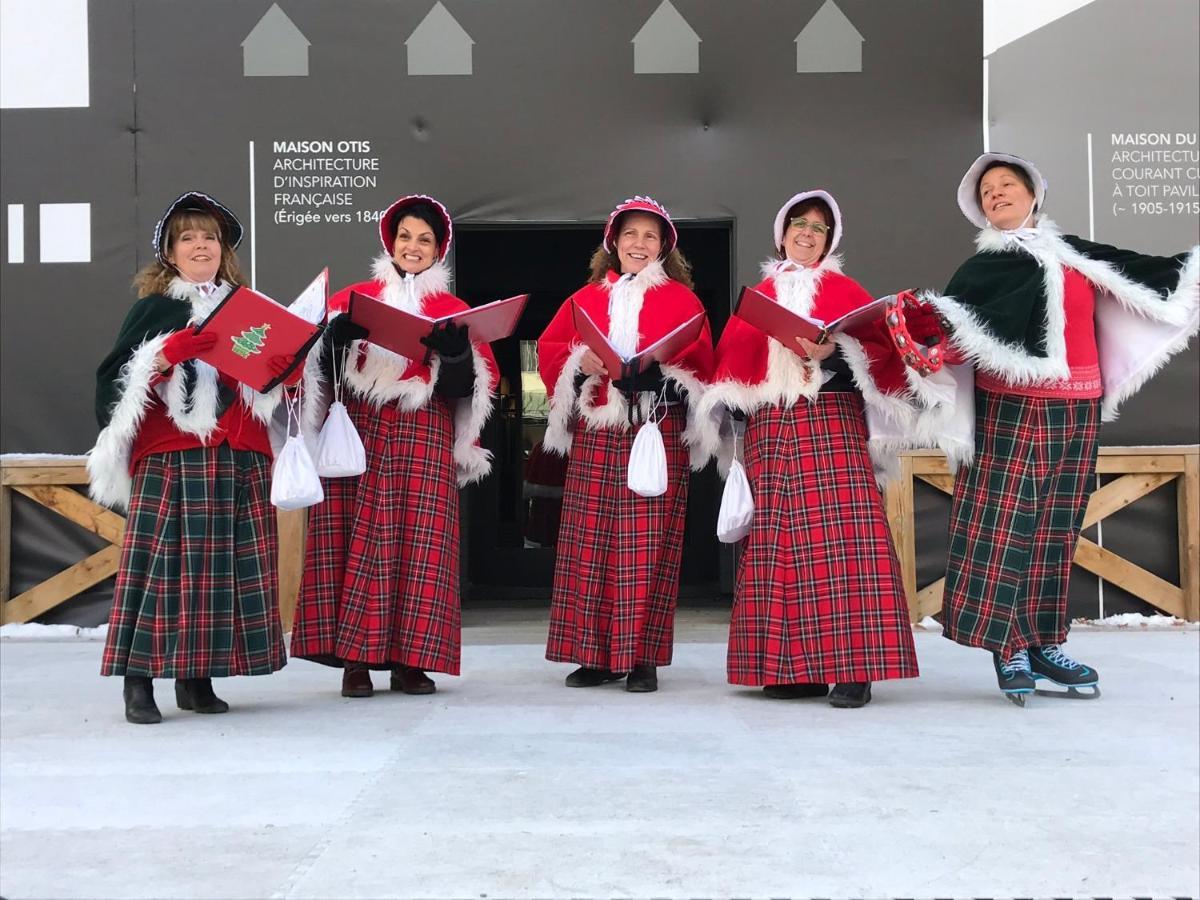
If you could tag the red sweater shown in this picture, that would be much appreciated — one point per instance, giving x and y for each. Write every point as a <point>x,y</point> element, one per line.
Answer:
<point>1083,358</point>
<point>237,427</point>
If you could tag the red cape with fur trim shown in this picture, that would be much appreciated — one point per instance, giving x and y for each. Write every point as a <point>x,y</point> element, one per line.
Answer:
<point>666,307</point>
<point>743,350</point>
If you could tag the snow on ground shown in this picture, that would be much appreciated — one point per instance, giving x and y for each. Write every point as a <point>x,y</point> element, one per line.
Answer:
<point>507,784</point>
<point>32,631</point>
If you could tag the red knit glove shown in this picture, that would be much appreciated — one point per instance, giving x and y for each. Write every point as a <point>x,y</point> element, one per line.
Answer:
<point>925,325</point>
<point>279,364</point>
<point>187,344</point>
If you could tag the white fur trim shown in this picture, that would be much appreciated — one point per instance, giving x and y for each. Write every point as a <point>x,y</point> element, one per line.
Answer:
<point>396,288</point>
<point>109,480</point>
<point>563,405</point>
<point>1180,311</point>
<point>470,415</point>
<point>693,437</point>
<point>379,379</point>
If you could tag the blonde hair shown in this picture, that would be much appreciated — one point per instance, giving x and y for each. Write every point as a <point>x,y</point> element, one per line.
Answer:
<point>156,277</point>
<point>675,264</point>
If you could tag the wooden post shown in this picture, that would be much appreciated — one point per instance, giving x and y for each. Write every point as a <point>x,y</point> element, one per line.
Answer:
<point>5,543</point>
<point>292,533</point>
<point>903,520</point>
<point>1189,536</point>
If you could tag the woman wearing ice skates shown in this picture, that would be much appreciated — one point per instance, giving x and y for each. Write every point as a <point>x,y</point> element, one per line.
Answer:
<point>1060,331</point>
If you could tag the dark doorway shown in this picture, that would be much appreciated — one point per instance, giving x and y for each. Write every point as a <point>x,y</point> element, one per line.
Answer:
<point>510,520</point>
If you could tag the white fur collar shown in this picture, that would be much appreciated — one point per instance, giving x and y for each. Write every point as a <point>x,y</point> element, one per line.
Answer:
<point>407,291</point>
<point>796,286</point>
<point>652,276</point>
<point>1044,235</point>
<point>191,293</point>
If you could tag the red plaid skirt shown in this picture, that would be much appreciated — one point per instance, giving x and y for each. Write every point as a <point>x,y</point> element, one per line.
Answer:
<point>1015,521</point>
<point>616,578</point>
<point>819,596</point>
<point>380,582</point>
<point>197,591</point>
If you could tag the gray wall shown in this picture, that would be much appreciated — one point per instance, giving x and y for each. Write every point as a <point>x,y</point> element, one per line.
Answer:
<point>553,125</point>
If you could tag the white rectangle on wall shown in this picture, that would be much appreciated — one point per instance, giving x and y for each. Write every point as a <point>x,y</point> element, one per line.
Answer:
<point>65,232</point>
<point>43,54</point>
<point>16,232</point>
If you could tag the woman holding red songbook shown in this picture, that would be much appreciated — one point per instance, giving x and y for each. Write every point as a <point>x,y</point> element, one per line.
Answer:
<point>380,587</point>
<point>187,451</point>
<point>616,577</point>
<point>818,598</point>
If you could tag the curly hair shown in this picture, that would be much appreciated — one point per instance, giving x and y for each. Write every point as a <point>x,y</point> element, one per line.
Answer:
<point>156,277</point>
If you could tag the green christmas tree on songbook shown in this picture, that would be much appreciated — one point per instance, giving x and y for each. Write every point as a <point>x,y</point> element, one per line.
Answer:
<point>251,340</point>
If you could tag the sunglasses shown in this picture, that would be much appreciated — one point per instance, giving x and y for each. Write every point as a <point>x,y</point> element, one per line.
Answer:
<point>814,227</point>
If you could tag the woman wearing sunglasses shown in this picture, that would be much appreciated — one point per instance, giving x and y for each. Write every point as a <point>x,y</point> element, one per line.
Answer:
<point>818,598</point>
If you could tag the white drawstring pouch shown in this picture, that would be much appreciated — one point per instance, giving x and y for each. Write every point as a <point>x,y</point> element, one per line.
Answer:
<point>647,473</point>
<point>340,451</point>
<point>737,504</point>
<point>295,483</point>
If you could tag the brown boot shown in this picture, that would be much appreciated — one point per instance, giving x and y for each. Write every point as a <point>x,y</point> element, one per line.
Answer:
<point>356,681</point>
<point>411,680</point>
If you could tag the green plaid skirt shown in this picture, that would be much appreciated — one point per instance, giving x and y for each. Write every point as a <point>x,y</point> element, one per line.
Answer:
<point>1015,521</point>
<point>197,588</point>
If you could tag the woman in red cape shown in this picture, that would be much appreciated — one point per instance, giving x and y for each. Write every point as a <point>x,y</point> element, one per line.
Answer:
<point>380,587</point>
<point>616,578</point>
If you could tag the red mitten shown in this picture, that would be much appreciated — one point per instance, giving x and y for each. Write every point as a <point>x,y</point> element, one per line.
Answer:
<point>278,365</point>
<point>186,344</point>
<point>925,325</point>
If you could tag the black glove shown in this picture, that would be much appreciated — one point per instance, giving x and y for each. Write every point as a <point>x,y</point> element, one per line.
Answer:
<point>341,332</point>
<point>450,341</point>
<point>649,380</point>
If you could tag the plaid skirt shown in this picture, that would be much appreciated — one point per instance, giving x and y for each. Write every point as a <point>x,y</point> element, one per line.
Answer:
<point>819,596</point>
<point>616,577</point>
<point>197,592</point>
<point>1015,521</point>
<point>380,583</point>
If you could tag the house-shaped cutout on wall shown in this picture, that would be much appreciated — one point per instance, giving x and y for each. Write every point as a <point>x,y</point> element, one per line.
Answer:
<point>666,44</point>
<point>439,45</point>
<point>275,46</point>
<point>829,43</point>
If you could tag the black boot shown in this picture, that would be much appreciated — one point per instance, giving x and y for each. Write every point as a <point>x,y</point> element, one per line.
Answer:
<point>642,680</point>
<point>197,695</point>
<point>795,691</point>
<point>585,677</point>
<point>140,708</point>
<point>850,695</point>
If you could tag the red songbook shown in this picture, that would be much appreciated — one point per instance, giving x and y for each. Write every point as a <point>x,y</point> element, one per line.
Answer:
<point>663,350</point>
<point>788,327</point>
<point>252,328</point>
<point>401,331</point>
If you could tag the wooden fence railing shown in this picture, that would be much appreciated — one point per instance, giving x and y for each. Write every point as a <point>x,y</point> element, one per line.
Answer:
<point>57,482</point>
<point>1140,470</point>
